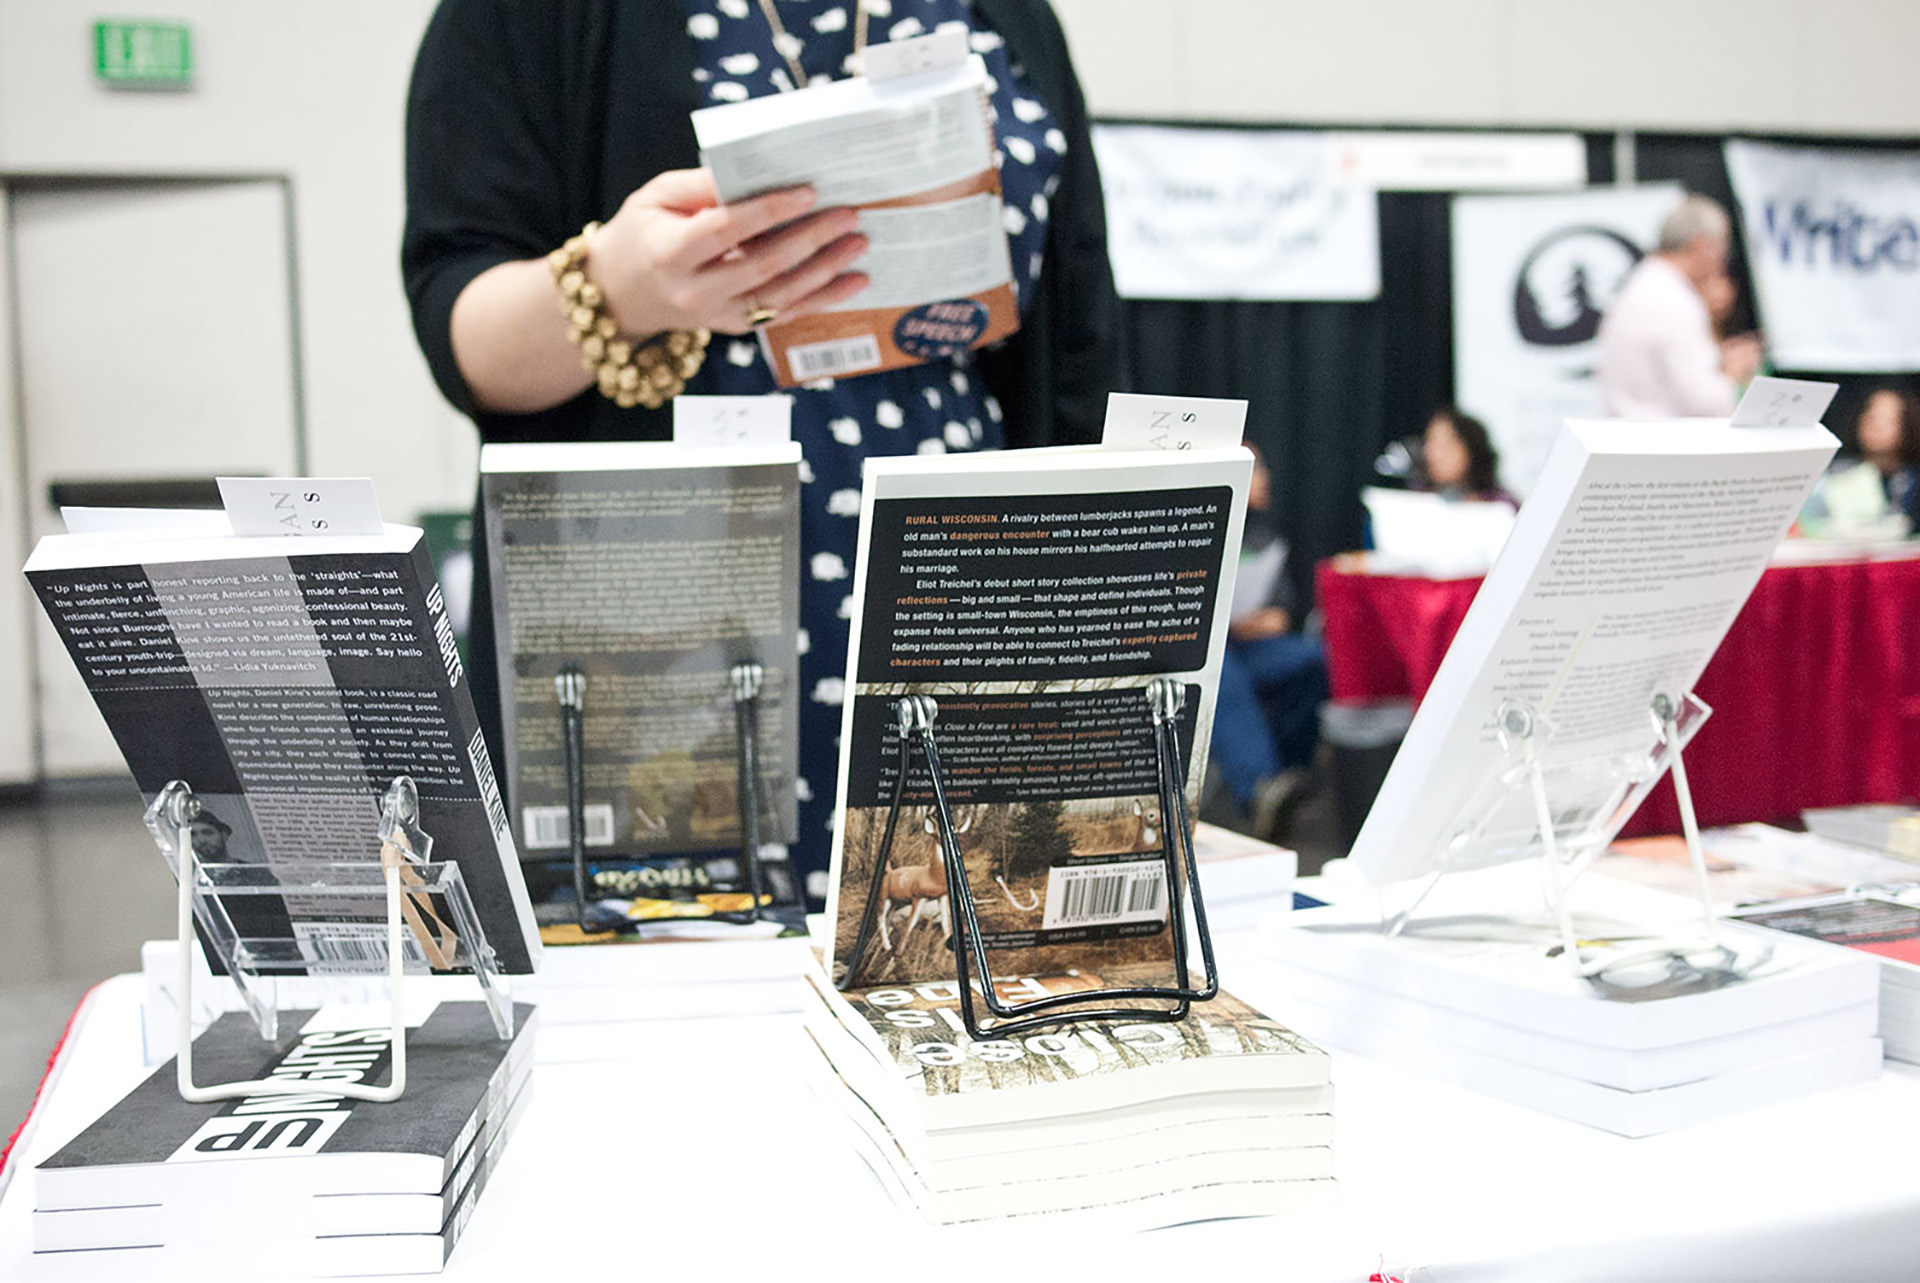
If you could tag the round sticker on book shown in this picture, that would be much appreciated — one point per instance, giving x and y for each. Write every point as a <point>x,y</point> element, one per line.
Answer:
<point>940,329</point>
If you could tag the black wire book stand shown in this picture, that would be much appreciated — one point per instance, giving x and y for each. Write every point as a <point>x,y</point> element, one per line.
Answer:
<point>744,681</point>
<point>914,720</point>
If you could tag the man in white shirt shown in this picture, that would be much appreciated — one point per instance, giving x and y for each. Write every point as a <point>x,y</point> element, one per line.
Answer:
<point>1658,358</point>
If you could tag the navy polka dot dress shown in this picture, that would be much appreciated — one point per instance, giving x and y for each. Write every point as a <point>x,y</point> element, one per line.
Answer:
<point>935,408</point>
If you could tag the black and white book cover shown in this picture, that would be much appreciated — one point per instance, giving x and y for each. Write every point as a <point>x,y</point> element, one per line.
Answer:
<point>288,681</point>
<point>185,1222</point>
<point>152,1146</point>
<point>653,569</point>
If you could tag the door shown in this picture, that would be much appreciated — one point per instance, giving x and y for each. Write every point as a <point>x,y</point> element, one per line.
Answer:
<point>156,344</point>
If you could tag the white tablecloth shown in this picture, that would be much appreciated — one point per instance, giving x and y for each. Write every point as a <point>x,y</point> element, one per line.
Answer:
<point>690,1144</point>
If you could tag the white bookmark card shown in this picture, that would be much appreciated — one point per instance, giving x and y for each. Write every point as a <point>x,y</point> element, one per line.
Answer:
<point>1783,403</point>
<point>1137,422</point>
<point>732,420</point>
<point>301,505</point>
<point>896,58</point>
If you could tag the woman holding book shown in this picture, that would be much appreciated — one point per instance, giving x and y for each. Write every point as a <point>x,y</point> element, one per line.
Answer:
<point>558,130</point>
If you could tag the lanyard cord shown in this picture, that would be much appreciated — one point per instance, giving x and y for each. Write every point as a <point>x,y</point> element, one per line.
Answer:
<point>789,46</point>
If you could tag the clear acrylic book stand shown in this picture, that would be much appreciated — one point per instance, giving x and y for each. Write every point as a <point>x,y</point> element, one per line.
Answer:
<point>420,895</point>
<point>1165,698</point>
<point>1565,810</point>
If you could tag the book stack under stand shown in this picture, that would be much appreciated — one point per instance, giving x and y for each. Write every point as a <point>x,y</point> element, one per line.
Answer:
<point>1485,1000</point>
<point>308,1185</point>
<point>1098,1125</point>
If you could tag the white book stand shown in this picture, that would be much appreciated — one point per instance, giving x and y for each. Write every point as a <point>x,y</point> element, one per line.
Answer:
<point>1564,811</point>
<point>420,896</point>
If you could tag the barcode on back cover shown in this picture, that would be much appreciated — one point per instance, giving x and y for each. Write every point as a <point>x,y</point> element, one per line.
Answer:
<point>1105,894</point>
<point>352,946</point>
<point>842,356</point>
<point>546,826</point>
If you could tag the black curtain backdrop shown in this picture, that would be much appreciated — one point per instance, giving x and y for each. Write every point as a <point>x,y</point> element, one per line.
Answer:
<point>1329,384</point>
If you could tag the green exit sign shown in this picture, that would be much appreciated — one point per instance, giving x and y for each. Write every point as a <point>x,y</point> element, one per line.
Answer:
<point>143,54</point>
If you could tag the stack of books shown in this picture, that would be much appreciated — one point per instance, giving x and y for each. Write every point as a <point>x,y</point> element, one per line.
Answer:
<point>1107,1125</point>
<point>310,1185</point>
<point>1881,924</point>
<point>1487,1001</point>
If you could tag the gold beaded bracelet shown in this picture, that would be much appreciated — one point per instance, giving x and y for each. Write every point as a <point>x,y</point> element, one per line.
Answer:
<point>648,374</point>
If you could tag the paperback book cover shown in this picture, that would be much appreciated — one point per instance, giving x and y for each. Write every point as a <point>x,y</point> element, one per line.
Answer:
<point>653,569</point>
<point>1034,595</point>
<point>154,1147</point>
<point>288,681</point>
<point>266,1216</point>
<point>915,1034</point>
<point>914,154</point>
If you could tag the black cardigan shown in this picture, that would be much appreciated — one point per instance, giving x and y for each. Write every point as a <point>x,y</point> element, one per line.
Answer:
<point>529,118</point>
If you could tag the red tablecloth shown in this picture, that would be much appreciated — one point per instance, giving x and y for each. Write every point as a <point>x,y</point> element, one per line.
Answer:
<point>1815,691</point>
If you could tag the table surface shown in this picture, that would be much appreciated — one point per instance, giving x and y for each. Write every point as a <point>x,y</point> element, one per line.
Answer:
<point>662,1140</point>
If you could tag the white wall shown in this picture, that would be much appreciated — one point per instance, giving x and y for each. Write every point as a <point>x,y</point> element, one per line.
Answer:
<point>309,89</point>
<point>1778,66</point>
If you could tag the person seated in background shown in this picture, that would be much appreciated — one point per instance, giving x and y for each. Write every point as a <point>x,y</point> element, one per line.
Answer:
<point>1658,357</point>
<point>1273,680</point>
<point>1458,461</point>
<point>1875,492</point>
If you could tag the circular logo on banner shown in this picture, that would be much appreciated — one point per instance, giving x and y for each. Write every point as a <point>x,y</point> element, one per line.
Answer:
<point>940,329</point>
<point>1566,281</point>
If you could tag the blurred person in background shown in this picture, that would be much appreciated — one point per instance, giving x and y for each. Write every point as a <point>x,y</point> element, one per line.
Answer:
<point>1873,489</point>
<point>1658,356</point>
<point>1273,679</point>
<point>1458,461</point>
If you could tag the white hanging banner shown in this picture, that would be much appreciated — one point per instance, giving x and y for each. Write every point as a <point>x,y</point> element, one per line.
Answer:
<point>1833,239</point>
<point>1531,276</point>
<point>1234,214</point>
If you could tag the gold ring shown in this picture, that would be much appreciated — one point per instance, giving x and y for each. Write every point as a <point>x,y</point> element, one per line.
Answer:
<point>759,314</point>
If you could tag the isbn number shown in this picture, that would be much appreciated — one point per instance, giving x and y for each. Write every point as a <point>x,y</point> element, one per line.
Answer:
<point>546,826</point>
<point>842,356</point>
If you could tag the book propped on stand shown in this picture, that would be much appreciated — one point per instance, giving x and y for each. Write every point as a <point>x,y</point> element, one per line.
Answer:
<point>651,569</point>
<point>309,1184</point>
<point>288,679</point>
<point>1035,596</point>
<point>1562,700</point>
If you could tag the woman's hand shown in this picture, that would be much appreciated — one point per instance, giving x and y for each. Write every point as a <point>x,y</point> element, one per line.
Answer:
<point>674,258</point>
<point>670,259</point>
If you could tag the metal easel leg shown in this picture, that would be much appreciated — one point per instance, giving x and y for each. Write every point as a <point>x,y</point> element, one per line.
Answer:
<point>570,686</point>
<point>746,681</point>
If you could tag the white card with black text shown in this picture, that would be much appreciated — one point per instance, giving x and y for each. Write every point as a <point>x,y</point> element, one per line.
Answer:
<point>732,420</point>
<point>1783,403</point>
<point>301,505</point>
<point>1137,422</point>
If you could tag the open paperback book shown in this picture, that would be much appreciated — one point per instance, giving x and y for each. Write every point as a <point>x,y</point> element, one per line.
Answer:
<point>914,154</point>
<point>1033,595</point>
<point>288,681</point>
